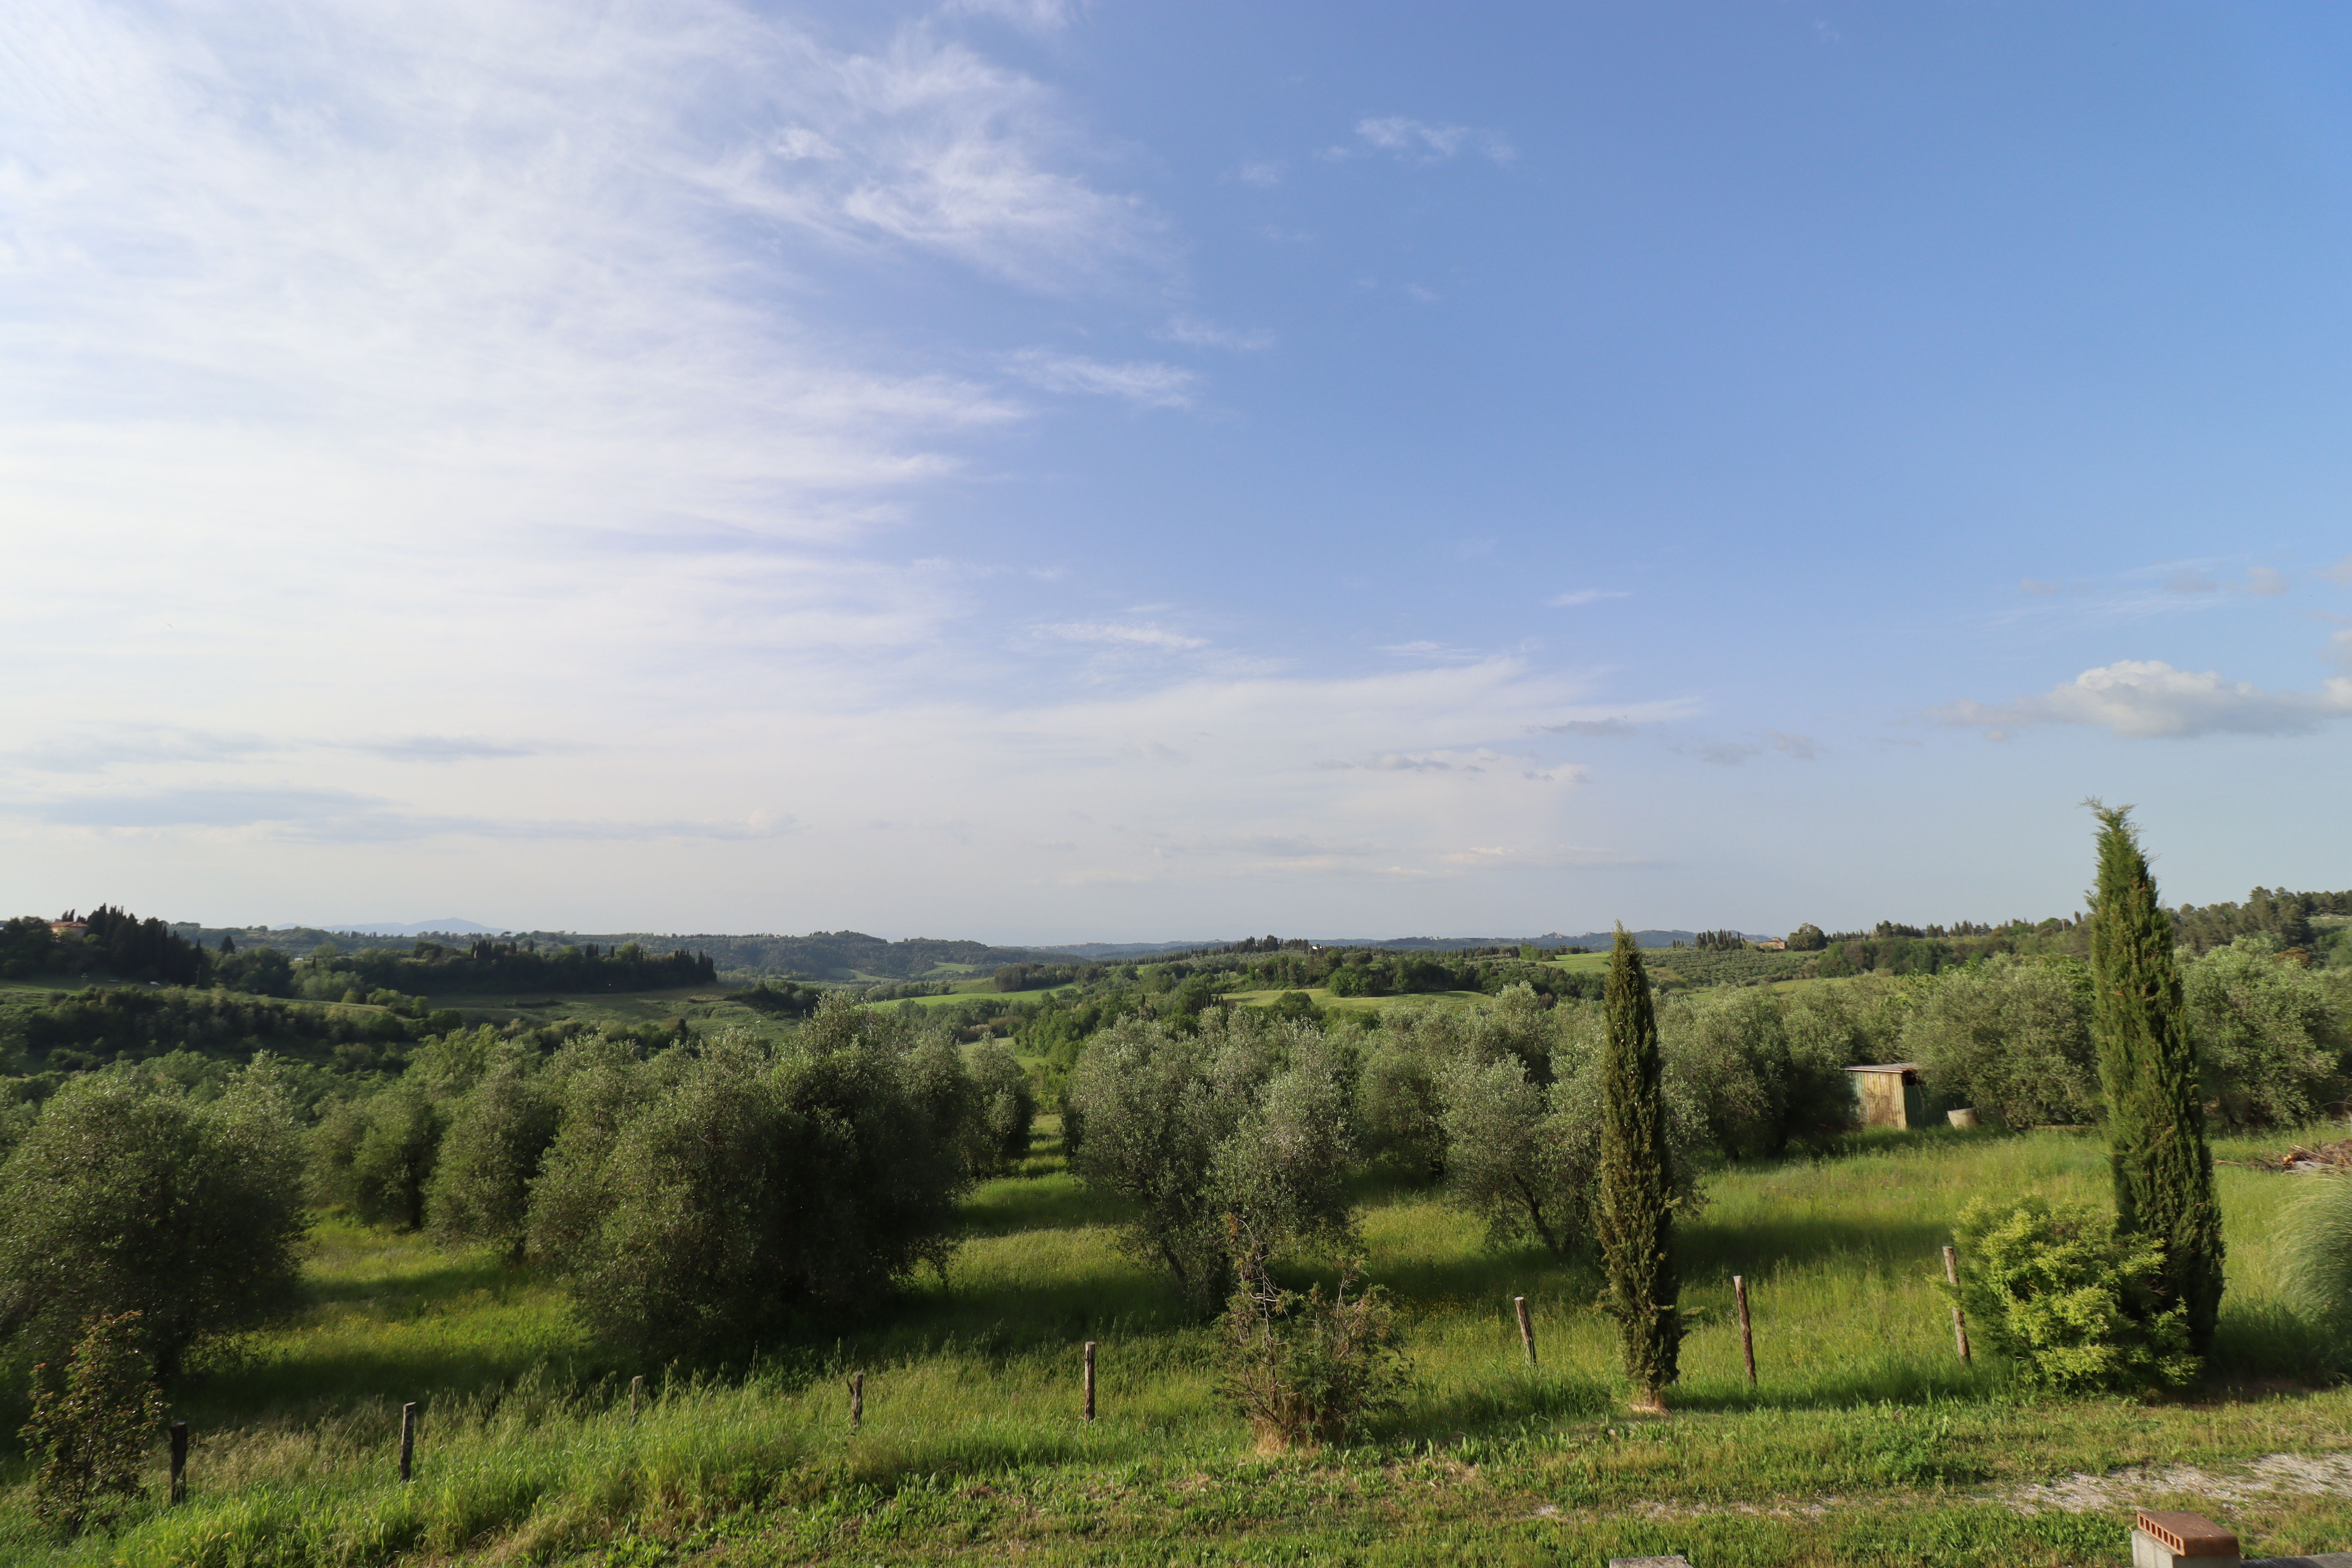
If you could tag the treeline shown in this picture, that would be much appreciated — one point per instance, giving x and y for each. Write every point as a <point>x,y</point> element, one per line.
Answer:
<point>115,944</point>
<point>491,964</point>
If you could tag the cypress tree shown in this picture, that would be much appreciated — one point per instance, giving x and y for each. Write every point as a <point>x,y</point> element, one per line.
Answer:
<point>1635,1221</point>
<point>2147,1066</point>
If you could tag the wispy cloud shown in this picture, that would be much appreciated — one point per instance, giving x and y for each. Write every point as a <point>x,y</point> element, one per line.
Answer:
<point>1603,729</point>
<point>2142,698</point>
<point>1119,634</point>
<point>1584,597</point>
<point>1144,381</point>
<point>1193,333</point>
<point>1419,141</point>
<point>1031,16</point>
<point>2340,573</point>
<point>1265,173</point>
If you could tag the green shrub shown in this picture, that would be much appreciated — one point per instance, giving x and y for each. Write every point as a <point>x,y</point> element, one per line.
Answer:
<point>2272,1049</point>
<point>1305,1369</point>
<point>376,1155</point>
<point>1006,1109</point>
<point>2318,1232</point>
<point>2054,1289</point>
<point>91,1427</point>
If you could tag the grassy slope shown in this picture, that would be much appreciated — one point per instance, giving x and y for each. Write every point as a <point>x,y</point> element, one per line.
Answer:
<point>970,1444</point>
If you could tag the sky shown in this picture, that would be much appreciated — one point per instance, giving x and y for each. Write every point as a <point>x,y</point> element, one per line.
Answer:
<point>1043,470</point>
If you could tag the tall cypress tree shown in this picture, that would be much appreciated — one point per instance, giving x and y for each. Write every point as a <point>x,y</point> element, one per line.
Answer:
<point>1637,1219</point>
<point>2148,1066</point>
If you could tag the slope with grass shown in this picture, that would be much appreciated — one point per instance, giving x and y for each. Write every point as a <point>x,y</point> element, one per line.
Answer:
<point>1866,1440</point>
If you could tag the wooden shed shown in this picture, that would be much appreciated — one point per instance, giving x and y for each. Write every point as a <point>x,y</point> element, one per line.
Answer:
<point>1889,1094</point>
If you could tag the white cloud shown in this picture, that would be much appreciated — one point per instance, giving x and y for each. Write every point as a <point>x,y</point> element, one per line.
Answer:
<point>1265,173</point>
<point>1423,143</point>
<point>2139,699</point>
<point>1584,597</point>
<point>2340,573</point>
<point>1144,381</point>
<point>1144,636</point>
<point>2267,581</point>
<point>1031,16</point>
<point>1193,333</point>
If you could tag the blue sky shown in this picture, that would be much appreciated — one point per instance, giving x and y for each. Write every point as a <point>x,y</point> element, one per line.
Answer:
<point>1048,470</point>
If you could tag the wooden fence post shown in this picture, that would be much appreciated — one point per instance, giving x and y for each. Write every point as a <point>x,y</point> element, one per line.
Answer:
<point>636,1396</point>
<point>1747,1336</point>
<point>1526,1330</point>
<point>1960,1323</point>
<point>1090,1382</point>
<point>179,1462</point>
<point>407,1440</point>
<point>856,1400</point>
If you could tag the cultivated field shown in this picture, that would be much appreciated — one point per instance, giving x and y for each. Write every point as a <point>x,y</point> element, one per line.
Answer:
<point>1866,1440</point>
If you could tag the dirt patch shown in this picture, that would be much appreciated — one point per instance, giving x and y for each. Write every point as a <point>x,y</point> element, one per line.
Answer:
<point>2299,1475</point>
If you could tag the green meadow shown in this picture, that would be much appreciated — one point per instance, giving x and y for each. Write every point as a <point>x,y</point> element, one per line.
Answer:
<point>1865,1439</point>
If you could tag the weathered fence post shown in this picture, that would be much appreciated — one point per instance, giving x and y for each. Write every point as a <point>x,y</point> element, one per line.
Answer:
<point>179,1462</point>
<point>636,1396</point>
<point>1090,1382</point>
<point>1747,1336</point>
<point>856,1400</point>
<point>1526,1330</point>
<point>407,1440</point>
<point>1960,1323</point>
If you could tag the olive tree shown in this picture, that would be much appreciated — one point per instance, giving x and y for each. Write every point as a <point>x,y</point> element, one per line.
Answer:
<point>127,1197</point>
<point>705,1199</point>
<point>2012,1037</point>
<point>1246,1120</point>
<point>479,1190</point>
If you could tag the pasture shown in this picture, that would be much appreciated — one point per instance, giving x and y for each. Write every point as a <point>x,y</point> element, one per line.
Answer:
<point>1864,1438</point>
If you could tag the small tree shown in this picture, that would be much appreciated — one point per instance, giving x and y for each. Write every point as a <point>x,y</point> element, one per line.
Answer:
<point>2147,1068</point>
<point>1006,1108</point>
<point>1635,1215</point>
<point>90,1429</point>
<point>127,1197</point>
<point>480,1186</point>
<point>1507,1158</point>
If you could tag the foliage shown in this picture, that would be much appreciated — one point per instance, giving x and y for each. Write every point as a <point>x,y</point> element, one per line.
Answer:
<point>377,1154</point>
<point>2271,1043</point>
<point>127,1197</point>
<point>2010,1036</point>
<point>489,965</point>
<point>2147,1069</point>
<point>479,1190</point>
<point>1304,1369</point>
<point>1759,1085</point>
<point>2069,1298</point>
<point>1634,1215</point>
<point>702,1201</point>
<point>90,1429</point>
<point>1806,938</point>
<point>2318,1232</point>
<point>1006,1108</point>
<point>1194,1127</point>
<point>1507,1158</point>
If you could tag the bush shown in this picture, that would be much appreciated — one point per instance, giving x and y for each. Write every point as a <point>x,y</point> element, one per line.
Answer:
<point>1304,1369</point>
<point>2318,1232</point>
<point>2013,1037</point>
<point>2053,1288</point>
<point>90,1429</point>
<point>128,1196</point>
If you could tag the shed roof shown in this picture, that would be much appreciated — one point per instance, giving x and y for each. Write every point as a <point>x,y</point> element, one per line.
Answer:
<point>1888,1066</point>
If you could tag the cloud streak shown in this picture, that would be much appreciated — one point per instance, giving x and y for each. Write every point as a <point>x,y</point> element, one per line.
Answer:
<point>2149,699</point>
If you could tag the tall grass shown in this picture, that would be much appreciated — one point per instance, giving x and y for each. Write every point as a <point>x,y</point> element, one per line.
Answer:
<point>528,1452</point>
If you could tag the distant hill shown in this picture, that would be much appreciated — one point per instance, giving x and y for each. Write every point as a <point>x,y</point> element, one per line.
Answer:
<point>451,927</point>
<point>820,955</point>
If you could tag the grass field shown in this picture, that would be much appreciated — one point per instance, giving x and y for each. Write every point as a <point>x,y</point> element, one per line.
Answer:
<point>1865,1440</point>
